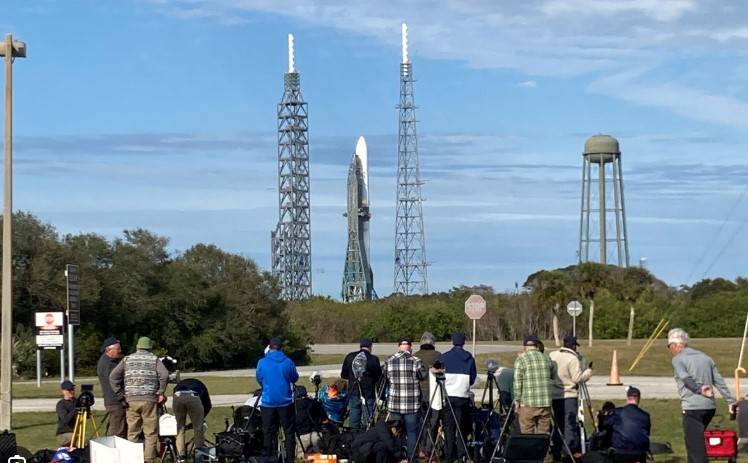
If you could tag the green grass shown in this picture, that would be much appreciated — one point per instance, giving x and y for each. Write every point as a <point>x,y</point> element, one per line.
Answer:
<point>36,430</point>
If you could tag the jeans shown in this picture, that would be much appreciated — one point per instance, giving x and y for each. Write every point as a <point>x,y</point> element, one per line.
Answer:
<point>411,422</point>
<point>357,412</point>
<point>453,446</point>
<point>271,417</point>
<point>565,417</point>
<point>694,424</point>
<point>184,405</point>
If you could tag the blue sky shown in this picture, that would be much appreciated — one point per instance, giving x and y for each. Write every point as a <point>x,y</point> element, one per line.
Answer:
<point>161,114</point>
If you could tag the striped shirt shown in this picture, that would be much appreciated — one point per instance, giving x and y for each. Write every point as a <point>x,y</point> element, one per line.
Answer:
<point>533,377</point>
<point>404,372</point>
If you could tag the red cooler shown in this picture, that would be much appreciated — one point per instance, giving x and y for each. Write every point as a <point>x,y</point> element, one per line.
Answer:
<point>721,444</point>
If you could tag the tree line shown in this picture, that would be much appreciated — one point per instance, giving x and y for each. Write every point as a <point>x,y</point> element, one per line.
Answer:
<point>212,309</point>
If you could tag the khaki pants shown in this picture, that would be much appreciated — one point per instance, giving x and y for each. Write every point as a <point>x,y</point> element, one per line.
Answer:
<point>117,425</point>
<point>142,417</point>
<point>191,405</point>
<point>532,417</point>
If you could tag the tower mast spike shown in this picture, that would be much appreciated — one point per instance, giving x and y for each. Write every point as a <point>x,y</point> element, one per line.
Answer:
<point>404,42</point>
<point>291,57</point>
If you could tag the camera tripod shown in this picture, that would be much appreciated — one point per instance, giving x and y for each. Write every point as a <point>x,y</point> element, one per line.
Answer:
<point>442,390</point>
<point>83,415</point>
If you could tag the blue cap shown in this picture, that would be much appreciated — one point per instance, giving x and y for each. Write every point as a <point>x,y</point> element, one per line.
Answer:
<point>67,385</point>
<point>110,341</point>
<point>458,339</point>
<point>531,340</point>
<point>276,343</point>
<point>365,342</point>
<point>570,341</point>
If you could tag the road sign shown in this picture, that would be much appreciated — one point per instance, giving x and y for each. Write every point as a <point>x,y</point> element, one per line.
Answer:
<point>74,311</point>
<point>574,308</point>
<point>49,341</point>
<point>475,307</point>
<point>49,320</point>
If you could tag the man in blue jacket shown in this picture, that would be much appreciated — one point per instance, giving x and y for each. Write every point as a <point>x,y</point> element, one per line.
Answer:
<point>629,428</point>
<point>277,373</point>
<point>460,374</point>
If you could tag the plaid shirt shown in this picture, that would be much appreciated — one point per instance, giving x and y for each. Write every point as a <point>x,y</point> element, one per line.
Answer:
<point>404,372</point>
<point>533,377</point>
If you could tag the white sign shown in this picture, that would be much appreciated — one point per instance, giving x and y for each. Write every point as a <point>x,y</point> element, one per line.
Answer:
<point>574,308</point>
<point>49,320</point>
<point>53,340</point>
<point>475,307</point>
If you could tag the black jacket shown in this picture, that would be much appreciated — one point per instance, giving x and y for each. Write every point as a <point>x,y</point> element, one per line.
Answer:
<point>371,376</point>
<point>103,369</point>
<point>196,386</point>
<point>363,444</point>
<point>66,414</point>
<point>428,355</point>
<point>629,427</point>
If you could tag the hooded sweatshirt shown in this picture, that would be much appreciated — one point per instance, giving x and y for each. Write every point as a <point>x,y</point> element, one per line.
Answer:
<point>276,373</point>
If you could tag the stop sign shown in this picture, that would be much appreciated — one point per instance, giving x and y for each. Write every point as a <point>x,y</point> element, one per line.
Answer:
<point>475,307</point>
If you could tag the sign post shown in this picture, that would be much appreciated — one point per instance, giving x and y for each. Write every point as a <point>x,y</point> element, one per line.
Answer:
<point>475,308</point>
<point>574,308</point>
<point>74,314</point>
<point>49,336</point>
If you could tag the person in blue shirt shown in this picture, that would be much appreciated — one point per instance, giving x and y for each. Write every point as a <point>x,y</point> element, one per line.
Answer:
<point>629,427</point>
<point>277,374</point>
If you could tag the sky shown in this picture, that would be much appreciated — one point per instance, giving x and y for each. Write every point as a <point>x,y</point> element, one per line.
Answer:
<point>161,114</point>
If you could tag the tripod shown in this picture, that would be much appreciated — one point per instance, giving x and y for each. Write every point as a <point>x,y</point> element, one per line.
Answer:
<point>170,450</point>
<point>83,415</point>
<point>504,428</point>
<point>442,390</point>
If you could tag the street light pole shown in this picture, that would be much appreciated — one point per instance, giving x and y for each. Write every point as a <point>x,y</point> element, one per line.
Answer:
<point>9,51</point>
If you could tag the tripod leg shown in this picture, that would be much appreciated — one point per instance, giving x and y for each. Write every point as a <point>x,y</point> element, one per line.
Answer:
<point>93,424</point>
<point>556,430</point>
<point>458,424</point>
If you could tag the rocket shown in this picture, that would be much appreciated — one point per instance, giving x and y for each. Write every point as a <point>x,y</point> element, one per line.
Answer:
<point>357,275</point>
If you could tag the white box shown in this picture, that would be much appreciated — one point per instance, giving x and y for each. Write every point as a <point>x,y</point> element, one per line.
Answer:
<point>115,450</point>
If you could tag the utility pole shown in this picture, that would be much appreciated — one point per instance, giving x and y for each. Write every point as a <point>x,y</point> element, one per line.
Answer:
<point>10,50</point>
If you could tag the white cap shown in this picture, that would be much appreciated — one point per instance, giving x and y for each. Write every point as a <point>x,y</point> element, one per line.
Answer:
<point>677,336</point>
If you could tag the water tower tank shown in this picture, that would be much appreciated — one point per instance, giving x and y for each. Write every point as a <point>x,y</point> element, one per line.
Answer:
<point>601,148</point>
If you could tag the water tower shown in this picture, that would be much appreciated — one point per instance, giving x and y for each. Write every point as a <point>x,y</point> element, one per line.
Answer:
<point>602,227</point>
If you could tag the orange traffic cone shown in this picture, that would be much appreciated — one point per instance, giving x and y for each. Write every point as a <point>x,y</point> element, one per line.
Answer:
<point>614,379</point>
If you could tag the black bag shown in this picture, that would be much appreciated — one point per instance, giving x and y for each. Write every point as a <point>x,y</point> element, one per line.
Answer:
<point>339,444</point>
<point>42,456</point>
<point>8,447</point>
<point>231,444</point>
<point>309,416</point>
<point>247,418</point>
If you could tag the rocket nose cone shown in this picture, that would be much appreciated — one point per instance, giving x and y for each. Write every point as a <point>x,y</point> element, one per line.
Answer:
<point>361,146</point>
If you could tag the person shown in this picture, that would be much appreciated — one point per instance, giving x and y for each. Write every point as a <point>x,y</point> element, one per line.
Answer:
<point>115,409</point>
<point>380,444</point>
<point>66,414</point>
<point>565,398</point>
<point>141,379</point>
<point>696,377</point>
<point>334,398</point>
<point>277,375</point>
<point>460,373</point>
<point>404,371</point>
<point>429,356</point>
<point>629,428</point>
<point>362,371</point>
<point>191,398</point>
<point>533,376</point>
<point>505,380</point>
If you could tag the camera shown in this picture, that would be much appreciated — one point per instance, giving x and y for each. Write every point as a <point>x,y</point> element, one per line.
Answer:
<point>315,378</point>
<point>438,365</point>
<point>492,366</point>
<point>86,398</point>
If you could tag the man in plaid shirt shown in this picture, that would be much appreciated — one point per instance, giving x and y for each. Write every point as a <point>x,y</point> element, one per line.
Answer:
<point>533,377</point>
<point>404,372</point>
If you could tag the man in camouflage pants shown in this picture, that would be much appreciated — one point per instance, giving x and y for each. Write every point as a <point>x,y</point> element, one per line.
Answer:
<point>143,378</point>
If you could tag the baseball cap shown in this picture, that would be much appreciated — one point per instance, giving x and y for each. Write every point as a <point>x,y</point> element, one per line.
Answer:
<point>458,339</point>
<point>570,341</point>
<point>276,343</point>
<point>110,341</point>
<point>531,340</point>
<point>365,342</point>
<point>67,385</point>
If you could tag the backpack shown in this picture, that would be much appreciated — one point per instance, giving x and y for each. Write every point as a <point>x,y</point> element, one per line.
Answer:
<point>358,366</point>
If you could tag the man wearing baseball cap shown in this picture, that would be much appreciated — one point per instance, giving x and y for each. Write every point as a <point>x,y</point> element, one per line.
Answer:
<point>629,427</point>
<point>66,414</point>
<point>115,409</point>
<point>533,377</point>
<point>460,373</point>
<point>565,395</point>
<point>696,377</point>
<point>362,371</point>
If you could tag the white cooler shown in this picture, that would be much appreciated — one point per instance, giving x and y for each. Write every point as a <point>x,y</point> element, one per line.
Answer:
<point>115,450</point>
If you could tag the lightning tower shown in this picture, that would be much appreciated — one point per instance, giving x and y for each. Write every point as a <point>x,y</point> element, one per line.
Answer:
<point>291,241</point>
<point>603,207</point>
<point>358,279</point>
<point>410,244</point>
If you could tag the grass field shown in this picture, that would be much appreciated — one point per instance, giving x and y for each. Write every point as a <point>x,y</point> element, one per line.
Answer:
<point>36,430</point>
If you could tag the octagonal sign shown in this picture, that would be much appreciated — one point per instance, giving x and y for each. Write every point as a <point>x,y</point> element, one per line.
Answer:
<point>475,307</point>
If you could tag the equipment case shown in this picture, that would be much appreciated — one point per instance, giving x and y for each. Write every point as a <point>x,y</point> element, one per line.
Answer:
<point>721,444</point>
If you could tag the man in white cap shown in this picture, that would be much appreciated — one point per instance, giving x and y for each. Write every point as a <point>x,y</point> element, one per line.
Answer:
<point>696,377</point>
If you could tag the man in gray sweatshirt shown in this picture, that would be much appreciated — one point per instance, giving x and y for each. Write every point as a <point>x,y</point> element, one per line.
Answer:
<point>696,377</point>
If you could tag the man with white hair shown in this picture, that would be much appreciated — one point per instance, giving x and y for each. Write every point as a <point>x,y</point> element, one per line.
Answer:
<point>696,377</point>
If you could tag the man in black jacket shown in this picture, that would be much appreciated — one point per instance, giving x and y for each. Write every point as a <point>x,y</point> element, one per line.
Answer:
<point>380,444</point>
<point>115,408</point>
<point>362,371</point>
<point>190,398</point>
<point>66,414</point>
<point>629,427</point>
